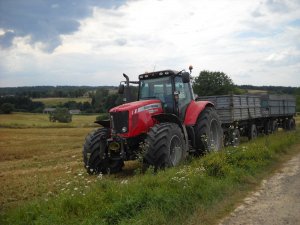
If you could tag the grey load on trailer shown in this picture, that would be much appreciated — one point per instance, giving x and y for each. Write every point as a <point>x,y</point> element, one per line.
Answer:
<point>233,108</point>
<point>278,105</point>
<point>251,115</point>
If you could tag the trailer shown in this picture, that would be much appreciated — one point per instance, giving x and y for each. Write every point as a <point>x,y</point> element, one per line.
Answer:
<point>250,115</point>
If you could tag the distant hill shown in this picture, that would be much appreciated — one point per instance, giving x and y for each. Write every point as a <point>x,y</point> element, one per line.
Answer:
<point>271,89</point>
<point>52,91</point>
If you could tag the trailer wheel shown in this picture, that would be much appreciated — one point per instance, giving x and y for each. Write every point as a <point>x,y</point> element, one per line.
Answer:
<point>236,137</point>
<point>165,146</point>
<point>209,133</point>
<point>94,151</point>
<point>268,127</point>
<point>290,124</point>
<point>274,126</point>
<point>252,132</point>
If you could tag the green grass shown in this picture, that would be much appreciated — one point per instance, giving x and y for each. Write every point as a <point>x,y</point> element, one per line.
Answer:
<point>56,101</point>
<point>33,120</point>
<point>202,189</point>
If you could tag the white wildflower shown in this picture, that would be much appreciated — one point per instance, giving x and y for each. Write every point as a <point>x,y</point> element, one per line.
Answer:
<point>100,176</point>
<point>124,182</point>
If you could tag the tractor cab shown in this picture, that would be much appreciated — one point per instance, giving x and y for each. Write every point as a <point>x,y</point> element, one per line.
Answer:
<point>172,88</point>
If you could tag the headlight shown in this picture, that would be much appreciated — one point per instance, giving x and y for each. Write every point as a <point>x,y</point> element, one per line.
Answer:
<point>124,129</point>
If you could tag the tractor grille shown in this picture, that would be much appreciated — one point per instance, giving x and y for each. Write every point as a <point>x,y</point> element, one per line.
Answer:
<point>119,120</point>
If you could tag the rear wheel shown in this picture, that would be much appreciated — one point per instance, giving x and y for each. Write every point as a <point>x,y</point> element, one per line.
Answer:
<point>165,146</point>
<point>94,154</point>
<point>209,133</point>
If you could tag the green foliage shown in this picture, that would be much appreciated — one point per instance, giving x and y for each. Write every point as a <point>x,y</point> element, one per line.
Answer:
<point>214,83</point>
<point>7,108</point>
<point>102,101</point>
<point>215,165</point>
<point>22,104</point>
<point>61,115</point>
<point>169,197</point>
<point>103,116</point>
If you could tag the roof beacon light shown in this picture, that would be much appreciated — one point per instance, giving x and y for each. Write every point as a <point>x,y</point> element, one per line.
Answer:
<point>190,68</point>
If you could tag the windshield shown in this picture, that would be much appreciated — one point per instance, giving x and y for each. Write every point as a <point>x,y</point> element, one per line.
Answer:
<point>158,88</point>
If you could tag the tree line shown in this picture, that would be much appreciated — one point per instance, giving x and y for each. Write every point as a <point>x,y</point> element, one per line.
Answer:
<point>104,98</point>
<point>51,91</point>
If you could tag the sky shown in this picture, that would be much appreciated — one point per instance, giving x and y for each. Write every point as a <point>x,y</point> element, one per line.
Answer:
<point>92,42</point>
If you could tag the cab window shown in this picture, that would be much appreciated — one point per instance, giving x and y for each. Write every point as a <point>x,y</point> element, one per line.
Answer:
<point>184,92</point>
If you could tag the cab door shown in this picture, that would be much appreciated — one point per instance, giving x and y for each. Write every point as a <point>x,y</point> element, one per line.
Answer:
<point>184,95</point>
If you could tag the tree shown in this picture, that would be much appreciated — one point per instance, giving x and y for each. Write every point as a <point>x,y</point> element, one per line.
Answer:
<point>214,83</point>
<point>61,115</point>
<point>7,108</point>
<point>99,99</point>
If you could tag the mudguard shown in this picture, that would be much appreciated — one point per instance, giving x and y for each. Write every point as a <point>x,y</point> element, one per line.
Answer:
<point>104,123</point>
<point>167,117</point>
<point>193,111</point>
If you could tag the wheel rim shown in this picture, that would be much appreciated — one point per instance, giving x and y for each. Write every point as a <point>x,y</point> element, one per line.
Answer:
<point>214,136</point>
<point>175,150</point>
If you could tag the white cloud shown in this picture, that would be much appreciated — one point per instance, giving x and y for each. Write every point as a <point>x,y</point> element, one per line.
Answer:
<point>245,39</point>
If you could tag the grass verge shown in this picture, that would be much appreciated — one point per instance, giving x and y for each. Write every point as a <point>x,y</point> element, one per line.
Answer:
<point>169,197</point>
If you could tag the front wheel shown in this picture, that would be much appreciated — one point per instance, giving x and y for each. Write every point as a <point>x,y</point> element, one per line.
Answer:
<point>165,146</point>
<point>95,154</point>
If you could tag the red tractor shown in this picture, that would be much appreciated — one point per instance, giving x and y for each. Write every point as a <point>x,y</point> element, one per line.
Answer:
<point>163,126</point>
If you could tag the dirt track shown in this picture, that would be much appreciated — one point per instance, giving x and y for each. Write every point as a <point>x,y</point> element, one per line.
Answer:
<point>276,201</point>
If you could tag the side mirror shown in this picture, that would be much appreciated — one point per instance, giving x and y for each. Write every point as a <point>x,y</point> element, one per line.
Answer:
<point>185,77</point>
<point>121,89</point>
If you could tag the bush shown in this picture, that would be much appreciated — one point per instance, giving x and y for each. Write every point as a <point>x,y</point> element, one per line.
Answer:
<point>215,165</point>
<point>7,108</point>
<point>103,116</point>
<point>61,115</point>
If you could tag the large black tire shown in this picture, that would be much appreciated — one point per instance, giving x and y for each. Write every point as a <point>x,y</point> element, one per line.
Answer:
<point>274,126</point>
<point>94,154</point>
<point>291,124</point>
<point>165,146</point>
<point>209,133</point>
<point>268,127</point>
<point>252,133</point>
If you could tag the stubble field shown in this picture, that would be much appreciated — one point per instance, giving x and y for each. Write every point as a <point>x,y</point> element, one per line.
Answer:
<point>39,158</point>
<point>41,170</point>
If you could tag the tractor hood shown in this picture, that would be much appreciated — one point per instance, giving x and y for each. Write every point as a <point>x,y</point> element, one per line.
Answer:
<point>151,106</point>
<point>134,118</point>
